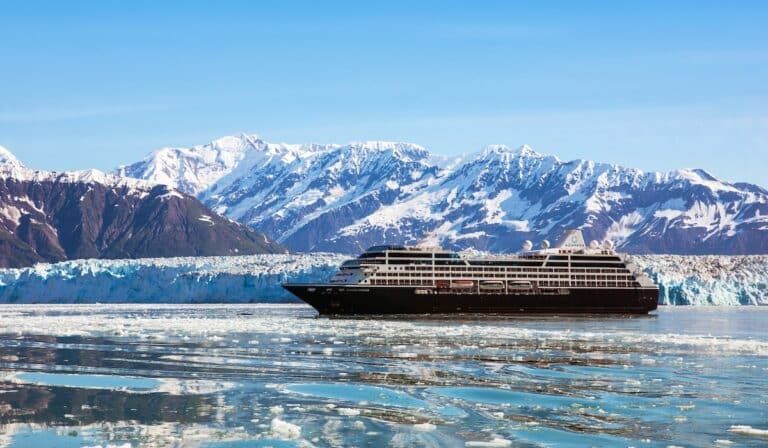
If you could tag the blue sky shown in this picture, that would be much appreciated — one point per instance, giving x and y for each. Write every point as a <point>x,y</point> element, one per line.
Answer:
<point>654,85</point>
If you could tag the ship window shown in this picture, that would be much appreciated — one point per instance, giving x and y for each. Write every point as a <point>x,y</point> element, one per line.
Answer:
<point>371,255</point>
<point>410,255</point>
<point>588,258</point>
<point>598,265</point>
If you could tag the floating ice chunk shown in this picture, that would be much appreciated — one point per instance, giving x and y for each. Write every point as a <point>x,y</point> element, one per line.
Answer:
<point>747,430</point>
<point>176,386</point>
<point>493,443</point>
<point>285,430</point>
<point>424,427</point>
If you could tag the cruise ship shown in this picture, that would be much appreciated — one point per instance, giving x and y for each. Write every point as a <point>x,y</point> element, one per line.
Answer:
<point>571,277</point>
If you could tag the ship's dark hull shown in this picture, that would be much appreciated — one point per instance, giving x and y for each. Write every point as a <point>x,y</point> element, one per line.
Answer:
<point>382,300</point>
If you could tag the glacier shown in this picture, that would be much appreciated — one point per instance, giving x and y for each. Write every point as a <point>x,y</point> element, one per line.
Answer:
<point>682,280</point>
<point>708,279</point>
<point>236,279</point>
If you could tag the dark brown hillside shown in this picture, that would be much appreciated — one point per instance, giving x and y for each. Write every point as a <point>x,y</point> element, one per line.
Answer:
<point>54,218</point>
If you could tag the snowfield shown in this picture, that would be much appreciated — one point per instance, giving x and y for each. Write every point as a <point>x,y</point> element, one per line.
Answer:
<point>683,280</point>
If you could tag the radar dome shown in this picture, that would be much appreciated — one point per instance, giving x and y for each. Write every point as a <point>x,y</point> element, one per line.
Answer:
<point>527,245</point>
<point>594,244</point>
<point>545,244</point>
<point>608,244</point>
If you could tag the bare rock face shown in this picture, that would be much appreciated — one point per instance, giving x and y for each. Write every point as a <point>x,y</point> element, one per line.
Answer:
<point>50,217</point>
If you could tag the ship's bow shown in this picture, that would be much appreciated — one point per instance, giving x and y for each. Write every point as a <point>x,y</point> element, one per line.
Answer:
<point>307,293</point>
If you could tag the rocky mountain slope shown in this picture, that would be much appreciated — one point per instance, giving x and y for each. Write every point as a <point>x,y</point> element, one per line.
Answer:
<point>346,197</point>
<point>49,216</point>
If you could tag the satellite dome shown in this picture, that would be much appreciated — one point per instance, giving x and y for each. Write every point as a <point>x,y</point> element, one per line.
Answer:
<point>545,244</point>
<point>594,244</point>
<point>608,244</point>
<point>527,245</point>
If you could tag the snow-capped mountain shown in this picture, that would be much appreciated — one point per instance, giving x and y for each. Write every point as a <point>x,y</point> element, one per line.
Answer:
<point>192,170</point>
<point>347,197</point>
<point>7,160</point>
<point>50,216</point>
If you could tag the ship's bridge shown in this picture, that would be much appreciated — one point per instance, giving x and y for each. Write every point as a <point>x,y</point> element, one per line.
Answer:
<point>572,242</point>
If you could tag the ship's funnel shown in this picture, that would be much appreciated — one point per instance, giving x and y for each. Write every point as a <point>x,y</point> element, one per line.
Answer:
<point>573,239</point>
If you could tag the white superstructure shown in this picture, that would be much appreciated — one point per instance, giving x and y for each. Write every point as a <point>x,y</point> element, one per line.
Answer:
<point>571,264</point>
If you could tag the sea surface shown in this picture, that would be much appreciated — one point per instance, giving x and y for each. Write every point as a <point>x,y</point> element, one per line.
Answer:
<point>264,375</point>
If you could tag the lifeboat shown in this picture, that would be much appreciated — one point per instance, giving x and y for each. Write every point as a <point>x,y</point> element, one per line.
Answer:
<point>462,284</point>
<point>520,285</point>
<point>492,285</point>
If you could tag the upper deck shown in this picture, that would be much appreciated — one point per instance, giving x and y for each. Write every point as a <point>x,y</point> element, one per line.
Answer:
<point>570,250</point>
<point>570,264</point>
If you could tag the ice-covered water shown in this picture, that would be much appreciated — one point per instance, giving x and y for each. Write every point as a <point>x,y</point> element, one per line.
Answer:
<point>274,375</point>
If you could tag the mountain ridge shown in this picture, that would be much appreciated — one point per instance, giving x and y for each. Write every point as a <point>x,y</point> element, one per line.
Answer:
<point>346,197</point>
<point>50,216</point>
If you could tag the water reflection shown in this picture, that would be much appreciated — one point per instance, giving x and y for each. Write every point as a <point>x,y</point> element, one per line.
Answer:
<point>234,376</point>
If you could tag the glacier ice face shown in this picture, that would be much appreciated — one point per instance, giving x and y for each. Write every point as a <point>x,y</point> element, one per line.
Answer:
<point>682,280</point>
<point>182,280</point>
<point>708,279</point>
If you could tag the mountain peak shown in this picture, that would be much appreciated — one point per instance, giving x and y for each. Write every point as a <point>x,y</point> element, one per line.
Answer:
<point>236,142</point>
<point>383,145</point>
<point>7,158</point>
<point>504,152</point>
<point>401,150</point>
<point>527,151</point>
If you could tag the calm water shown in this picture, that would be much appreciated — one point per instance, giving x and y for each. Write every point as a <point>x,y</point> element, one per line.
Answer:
<point>242,376</point>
